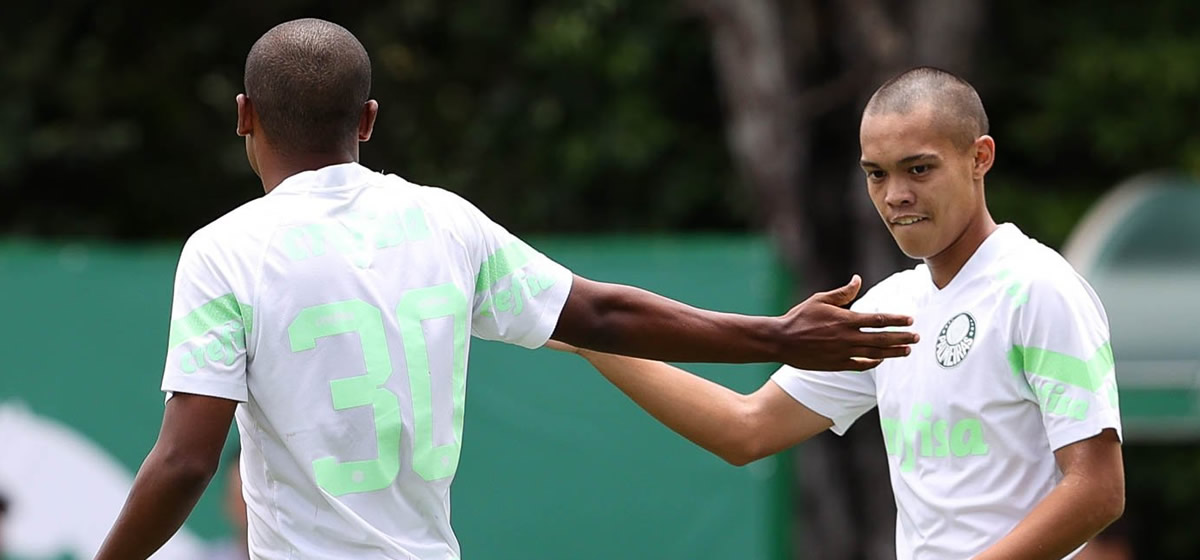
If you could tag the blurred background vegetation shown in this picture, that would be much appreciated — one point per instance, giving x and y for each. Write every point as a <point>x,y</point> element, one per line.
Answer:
<point>116,119</point>
<point>602,116</point>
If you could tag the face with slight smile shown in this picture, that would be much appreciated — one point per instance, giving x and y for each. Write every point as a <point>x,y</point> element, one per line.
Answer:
<point>922,184</point>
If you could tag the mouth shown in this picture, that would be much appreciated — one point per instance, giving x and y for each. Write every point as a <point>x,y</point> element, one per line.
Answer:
<point>907,220</point>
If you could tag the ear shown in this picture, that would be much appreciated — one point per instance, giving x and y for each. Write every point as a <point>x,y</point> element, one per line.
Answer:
<point>985,155</point>
<point>245,115</point>
<point>366,122</point>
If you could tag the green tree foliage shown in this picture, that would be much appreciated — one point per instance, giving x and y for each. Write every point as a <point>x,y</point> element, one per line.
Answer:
<point>117,119</point>
<point>1083,95</point>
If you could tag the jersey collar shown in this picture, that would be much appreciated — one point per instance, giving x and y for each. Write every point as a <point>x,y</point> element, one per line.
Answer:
<point>992,248</point>
<point>328,177</point>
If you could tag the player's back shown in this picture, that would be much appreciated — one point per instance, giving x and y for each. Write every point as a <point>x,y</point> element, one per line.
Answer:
<point>358,293</point>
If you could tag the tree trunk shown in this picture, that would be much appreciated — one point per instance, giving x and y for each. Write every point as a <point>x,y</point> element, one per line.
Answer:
<point>768,147</point>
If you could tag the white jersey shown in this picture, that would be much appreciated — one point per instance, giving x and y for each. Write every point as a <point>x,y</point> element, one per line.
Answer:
<point>1014,363</point>
<point>337,309</point>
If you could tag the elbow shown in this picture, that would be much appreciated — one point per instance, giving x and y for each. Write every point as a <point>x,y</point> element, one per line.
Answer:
<point>1107,503</point>
<point>739,458</point>
<point>742,454</point>
<point>1113,506</point>
<point>744,450</point>
<point>186,467</point>
<point>734,454</point>
<point>744,443</point>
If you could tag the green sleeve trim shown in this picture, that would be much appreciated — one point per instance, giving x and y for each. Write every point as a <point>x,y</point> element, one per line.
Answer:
<point>209,316</point>
<point>500,264</point>
<point>1090,374</point>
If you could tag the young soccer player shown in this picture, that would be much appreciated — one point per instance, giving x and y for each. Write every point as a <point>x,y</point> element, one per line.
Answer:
<point>334,315</point>
<point>1001,427</point>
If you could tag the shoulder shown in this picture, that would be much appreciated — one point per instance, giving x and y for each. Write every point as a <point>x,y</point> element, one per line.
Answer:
<point>237,236</point>
<point>427,194</point>
<point>248,219</point>
<point>444,201</point>
<point>434,200</point>
<point>1041,280</point>
<point>1031,263</point>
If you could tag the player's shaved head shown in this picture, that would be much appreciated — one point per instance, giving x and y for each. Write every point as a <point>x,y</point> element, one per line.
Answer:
<point>308,80</point>
<point>956,104</point>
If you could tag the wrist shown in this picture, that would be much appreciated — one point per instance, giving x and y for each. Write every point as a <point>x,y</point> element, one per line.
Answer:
<point>774,331</point>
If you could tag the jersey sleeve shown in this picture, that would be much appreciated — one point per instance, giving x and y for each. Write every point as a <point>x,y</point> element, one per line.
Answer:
<point>1062,350</point>
<point>206,347</point>
<point>519,293</point>
<point>841,396</point>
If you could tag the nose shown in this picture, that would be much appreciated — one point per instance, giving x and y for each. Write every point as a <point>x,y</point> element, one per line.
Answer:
<point>899,194</point>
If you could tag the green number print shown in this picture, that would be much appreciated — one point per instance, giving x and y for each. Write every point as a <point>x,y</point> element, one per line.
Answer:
<point>357,316</point>
<point>429,461</point>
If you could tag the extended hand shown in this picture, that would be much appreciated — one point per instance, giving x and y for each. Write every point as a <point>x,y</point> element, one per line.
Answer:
<point>826,337</point>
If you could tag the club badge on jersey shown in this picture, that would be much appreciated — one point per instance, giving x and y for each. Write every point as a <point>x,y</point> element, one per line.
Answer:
<point>955,340</point>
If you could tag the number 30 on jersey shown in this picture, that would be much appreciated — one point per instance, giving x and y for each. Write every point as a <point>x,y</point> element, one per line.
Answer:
<point>356,316</point>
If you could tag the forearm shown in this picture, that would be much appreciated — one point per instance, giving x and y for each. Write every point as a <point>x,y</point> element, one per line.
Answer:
<point>711,416</point>
<point>1072,513</point>
<point>634,322</point>
<point>163,494</point>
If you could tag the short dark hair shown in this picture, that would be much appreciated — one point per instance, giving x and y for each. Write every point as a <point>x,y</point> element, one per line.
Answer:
<point>308,80</point>
<point>956,101</point>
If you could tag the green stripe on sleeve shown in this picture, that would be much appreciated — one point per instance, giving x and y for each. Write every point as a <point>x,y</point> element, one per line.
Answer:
<point>208,317</point>
<point>247,315</point>
<point>1088,374</point>
<point>500,264</point>
<point>1016,360</point>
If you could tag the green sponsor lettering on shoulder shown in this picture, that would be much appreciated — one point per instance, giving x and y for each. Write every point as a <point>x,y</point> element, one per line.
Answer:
<point>500,264</point>
<point>1058,370</point>
<point>227,321</point>
<point>506,262</point>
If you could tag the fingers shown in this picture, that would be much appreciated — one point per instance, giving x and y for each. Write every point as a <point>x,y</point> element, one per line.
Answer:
<point>859,321</point>
<point>884,339</point>
<point>862,364</point>
<point>880,353</point>
<point>878,320</point>
<point>843,295</point>
<point>857,364</point>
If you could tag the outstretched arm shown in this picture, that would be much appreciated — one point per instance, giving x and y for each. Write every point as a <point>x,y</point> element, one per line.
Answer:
<point>1090,496</point>
<point>738,428</point>
<point>817,334</point>
<point>173,476</point>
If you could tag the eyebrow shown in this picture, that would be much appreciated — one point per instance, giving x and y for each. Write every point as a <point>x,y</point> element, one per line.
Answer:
<point>903,161</point>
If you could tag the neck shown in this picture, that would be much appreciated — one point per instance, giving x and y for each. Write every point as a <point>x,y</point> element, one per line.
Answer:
<point>944,266</point>
<point>274,170</point>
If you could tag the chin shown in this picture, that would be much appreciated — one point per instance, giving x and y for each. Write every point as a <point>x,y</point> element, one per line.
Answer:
<point>912,248</point>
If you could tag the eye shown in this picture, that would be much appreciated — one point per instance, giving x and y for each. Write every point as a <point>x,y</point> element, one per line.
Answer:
<point>919,169</point>
<point>876,174</point>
